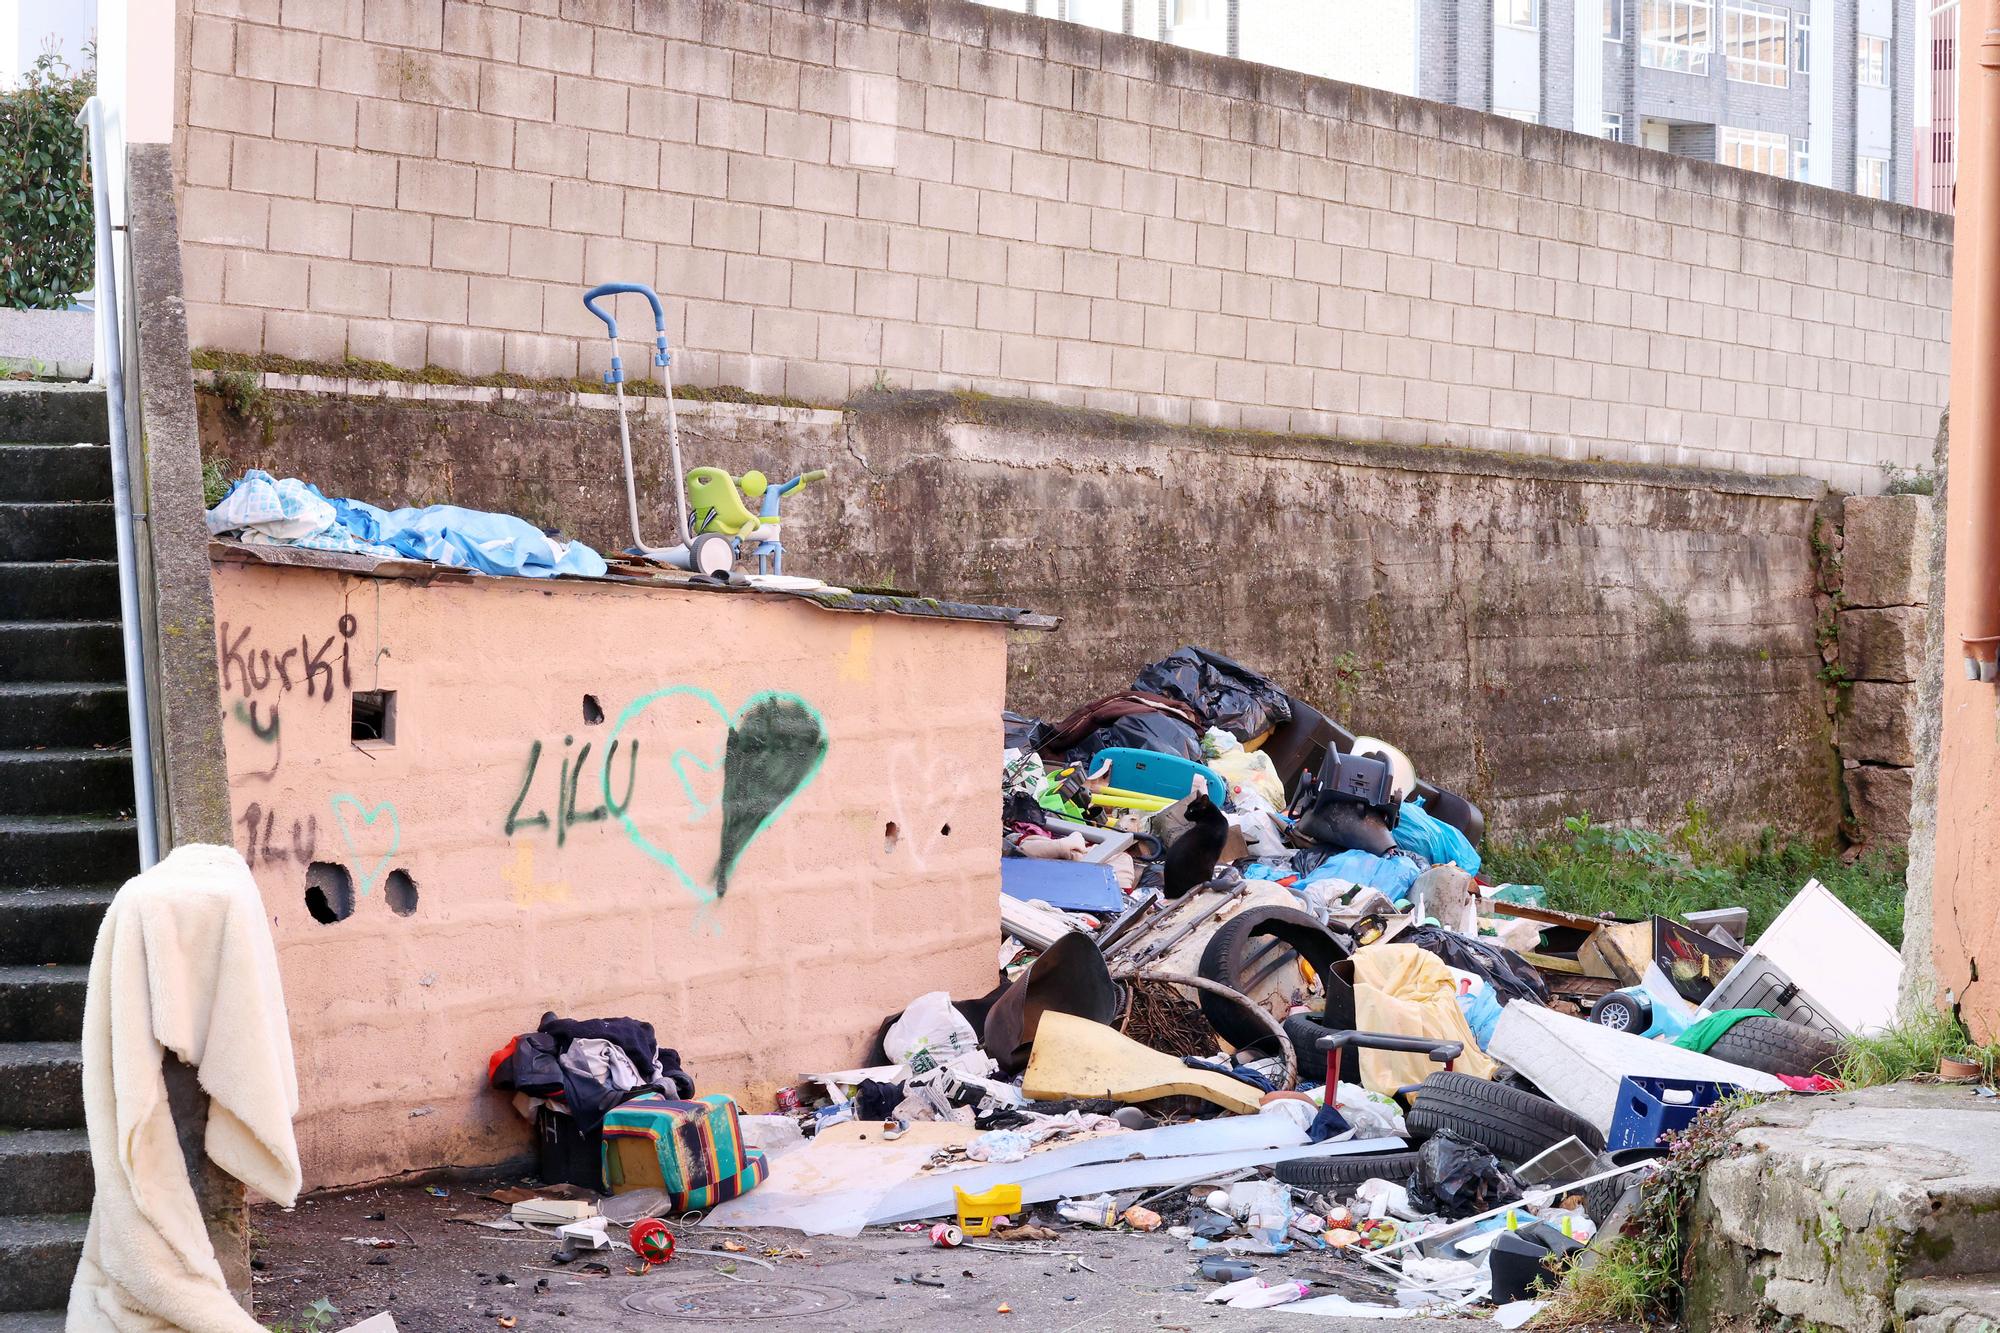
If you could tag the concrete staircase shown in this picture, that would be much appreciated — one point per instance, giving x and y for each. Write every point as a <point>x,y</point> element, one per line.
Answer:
<point>67,837</point>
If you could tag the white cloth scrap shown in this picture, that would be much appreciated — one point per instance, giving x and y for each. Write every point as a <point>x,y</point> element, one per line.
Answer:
<point>183,963</point>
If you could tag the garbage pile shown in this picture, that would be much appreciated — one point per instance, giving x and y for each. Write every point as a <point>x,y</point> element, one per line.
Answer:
<point>1255,1001</point>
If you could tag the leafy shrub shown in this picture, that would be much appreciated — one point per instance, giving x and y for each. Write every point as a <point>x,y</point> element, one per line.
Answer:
<point>47,227</point>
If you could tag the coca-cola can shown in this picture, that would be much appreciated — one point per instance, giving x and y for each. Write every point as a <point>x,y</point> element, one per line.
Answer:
<point>788,1101</point>
<point>946,1236</point>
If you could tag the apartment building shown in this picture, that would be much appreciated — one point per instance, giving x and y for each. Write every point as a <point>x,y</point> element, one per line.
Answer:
<point>1823,91</point>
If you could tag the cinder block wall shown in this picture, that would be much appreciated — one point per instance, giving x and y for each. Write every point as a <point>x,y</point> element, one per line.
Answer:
<point>927,193</point>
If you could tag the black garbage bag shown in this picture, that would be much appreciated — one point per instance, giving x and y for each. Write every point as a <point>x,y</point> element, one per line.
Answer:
<point>1457,1179</point>
<point>1511,976</point>
<point>1227,694</point>
<point>1139,731</point>
<point>1025,734</point>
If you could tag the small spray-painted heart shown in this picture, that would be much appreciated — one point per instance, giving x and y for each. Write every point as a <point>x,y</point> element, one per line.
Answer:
<point>348,811</point>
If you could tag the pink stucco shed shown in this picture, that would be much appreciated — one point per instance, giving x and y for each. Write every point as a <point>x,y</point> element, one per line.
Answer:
<point>603,800</point>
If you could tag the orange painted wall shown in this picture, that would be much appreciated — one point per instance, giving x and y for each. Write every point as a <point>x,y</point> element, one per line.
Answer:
<point>824,928</point>
<point>1965,927</point>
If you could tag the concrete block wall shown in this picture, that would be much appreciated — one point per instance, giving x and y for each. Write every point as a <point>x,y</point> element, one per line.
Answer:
<point>840,194</point>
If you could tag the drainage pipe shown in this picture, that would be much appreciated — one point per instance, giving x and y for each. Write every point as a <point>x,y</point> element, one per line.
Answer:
<point>138,698</point>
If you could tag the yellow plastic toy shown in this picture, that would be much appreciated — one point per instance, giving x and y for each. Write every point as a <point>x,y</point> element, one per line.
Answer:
<point>977,1211</point>
<point>718,505</point>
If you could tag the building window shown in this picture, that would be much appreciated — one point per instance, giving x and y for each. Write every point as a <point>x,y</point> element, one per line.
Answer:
<point>1614,20</point>
<point>1756,43</point>
<point>1516,113</point>
<point>1871,177</point>
<point>1613,127</point>
<point>1754,150</point>
<point>1801,159</point>
<point>1675,34</point>
<point>1515,13</point>
<point>1802,41</point>
<point>1871,62</point>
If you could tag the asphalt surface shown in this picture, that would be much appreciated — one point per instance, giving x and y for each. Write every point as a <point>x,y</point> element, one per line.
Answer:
<point>443,1276</point>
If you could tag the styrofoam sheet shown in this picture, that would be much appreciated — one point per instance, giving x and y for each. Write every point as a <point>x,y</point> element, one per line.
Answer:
<point>1138,1173</point>
<point>1203,1137</point>
<point>826,1188</point>
<point>1578,1063</point>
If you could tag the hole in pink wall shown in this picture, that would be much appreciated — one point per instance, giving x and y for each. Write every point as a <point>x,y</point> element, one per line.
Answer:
<point>593,712</point>
<point>891,835</point>
<point>945,831</point>
<point>329,892</point>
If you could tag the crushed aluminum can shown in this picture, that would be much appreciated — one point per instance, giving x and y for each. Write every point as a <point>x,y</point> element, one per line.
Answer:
<point>947,1236</point>
<point>789,1102</point>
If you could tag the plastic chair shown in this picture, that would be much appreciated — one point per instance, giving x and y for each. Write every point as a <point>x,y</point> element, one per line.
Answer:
<point>718,506</point>
<point>1440,1052</point>
<point>1302,744</point>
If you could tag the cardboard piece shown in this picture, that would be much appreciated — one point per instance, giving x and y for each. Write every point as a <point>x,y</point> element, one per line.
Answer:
<point>1851,973</point>
<point>830,1186</point>
<point>1578,1064</point>
<point>1074,1057</point>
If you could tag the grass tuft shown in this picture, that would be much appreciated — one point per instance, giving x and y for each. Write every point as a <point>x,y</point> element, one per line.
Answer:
<point>1912,1049</point>
<point>1595,868</point>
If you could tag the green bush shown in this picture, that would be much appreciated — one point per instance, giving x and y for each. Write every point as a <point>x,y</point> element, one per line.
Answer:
<point>47,227</point>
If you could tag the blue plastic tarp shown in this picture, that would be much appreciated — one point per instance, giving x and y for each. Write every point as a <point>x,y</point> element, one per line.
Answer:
<point>264,509</point>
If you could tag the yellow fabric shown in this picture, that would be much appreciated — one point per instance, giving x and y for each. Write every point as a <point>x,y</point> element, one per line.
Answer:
<point>1403,991</point>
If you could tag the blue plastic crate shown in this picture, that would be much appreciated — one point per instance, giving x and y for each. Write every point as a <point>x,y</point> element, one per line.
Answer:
<point>1645,1116</point>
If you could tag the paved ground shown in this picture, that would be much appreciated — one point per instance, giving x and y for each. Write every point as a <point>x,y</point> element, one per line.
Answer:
<point>448,1277</point>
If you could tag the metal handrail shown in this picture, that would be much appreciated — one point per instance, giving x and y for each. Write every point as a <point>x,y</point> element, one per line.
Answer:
<point>138,703</point>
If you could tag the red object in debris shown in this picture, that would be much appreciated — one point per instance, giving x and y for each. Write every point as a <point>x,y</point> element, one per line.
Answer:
<point>652,1241</point>
<point>789,1102</point>
<point>946,1236</point>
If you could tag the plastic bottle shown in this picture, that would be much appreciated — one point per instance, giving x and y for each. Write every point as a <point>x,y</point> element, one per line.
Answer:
<point>1101,1211</point>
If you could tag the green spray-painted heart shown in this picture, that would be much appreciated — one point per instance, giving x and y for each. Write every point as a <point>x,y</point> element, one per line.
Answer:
<point>342,805</point>
<point>776,745</point>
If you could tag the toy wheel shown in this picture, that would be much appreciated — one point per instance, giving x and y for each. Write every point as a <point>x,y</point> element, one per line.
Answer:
<point>1623,1011</point>
<point>651,1240</point>
<point>711,554</point>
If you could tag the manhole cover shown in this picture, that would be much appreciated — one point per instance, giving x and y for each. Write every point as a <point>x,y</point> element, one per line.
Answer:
<point>764,1300</point>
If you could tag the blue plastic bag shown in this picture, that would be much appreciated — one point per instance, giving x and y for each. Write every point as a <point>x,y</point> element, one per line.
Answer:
<point>1418,830</point>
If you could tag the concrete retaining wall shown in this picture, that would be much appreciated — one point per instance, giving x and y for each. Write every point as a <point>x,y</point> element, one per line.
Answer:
<point>1551,637</point>
<point>933,194</point>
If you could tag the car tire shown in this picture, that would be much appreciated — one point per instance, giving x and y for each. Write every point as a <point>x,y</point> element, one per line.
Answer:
<point>1227,959</point>
<point>1341,1175</point>
<point>1511,1124</point>
<point>1775,1046</point>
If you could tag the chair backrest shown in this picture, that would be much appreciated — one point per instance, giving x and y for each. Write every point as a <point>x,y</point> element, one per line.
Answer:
<point>717,504</point>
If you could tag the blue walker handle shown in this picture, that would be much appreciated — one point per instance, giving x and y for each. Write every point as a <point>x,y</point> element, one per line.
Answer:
<point>597,293</point>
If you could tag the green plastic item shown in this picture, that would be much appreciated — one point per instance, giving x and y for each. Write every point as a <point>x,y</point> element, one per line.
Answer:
<point>1522,895</point>
<point>1709,1030</point>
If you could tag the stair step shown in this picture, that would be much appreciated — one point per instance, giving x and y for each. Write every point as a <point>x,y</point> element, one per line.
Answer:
<point>1949,1304</point>
<point>51,650</point>
<point>57,531</point>
<point>41,1085</point>
<point>54,414</point>
<point>42,1002</point>
<point>63,712</point>
<point>45,1171</point>
<point>66,782</point>
<point>58,589</point>
<point>51,925</point>
<point>56,472</point>
<point>38,1257</point>
<point>48,850</point>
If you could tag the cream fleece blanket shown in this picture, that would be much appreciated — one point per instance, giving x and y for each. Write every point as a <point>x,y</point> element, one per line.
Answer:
<point>184,963</point>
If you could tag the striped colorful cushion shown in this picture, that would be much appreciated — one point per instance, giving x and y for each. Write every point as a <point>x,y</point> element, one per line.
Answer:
<point>693,1150</point>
